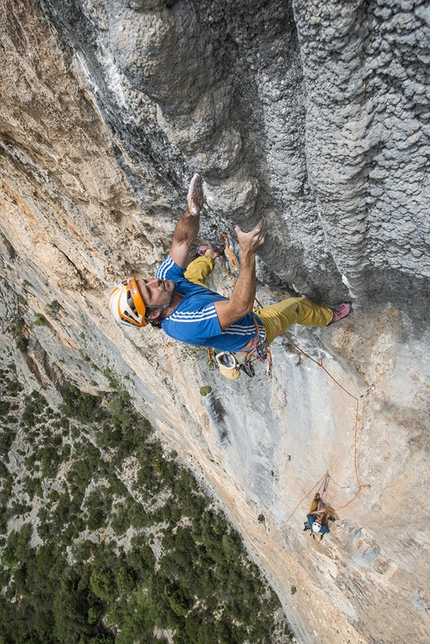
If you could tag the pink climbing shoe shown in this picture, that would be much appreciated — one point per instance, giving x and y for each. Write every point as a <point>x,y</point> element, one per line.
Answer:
<point>217,248</point>
<point>340,311</point>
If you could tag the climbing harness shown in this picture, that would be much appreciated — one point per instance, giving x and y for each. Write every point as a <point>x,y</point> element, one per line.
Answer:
<point>257,349</point>
<point>325,477</point>
<point>315,526</point>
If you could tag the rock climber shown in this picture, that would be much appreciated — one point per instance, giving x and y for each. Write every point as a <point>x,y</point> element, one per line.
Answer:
<point>318,518</point>
<point>178,300</point>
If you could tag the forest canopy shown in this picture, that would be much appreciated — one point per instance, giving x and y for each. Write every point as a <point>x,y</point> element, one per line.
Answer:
<point>106,537</point>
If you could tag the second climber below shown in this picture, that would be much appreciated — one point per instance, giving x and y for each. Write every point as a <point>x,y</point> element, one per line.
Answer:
<point>178,300</point>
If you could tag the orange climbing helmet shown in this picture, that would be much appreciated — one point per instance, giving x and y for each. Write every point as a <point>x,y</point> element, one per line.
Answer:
<point>127,305</point>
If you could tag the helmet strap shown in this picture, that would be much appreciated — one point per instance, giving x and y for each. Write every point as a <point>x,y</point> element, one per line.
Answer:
<point>159,308</point>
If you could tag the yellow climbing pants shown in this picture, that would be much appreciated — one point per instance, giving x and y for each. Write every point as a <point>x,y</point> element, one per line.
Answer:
<point>314,506</point>
<point>276,318</point>
<point>199,270</point>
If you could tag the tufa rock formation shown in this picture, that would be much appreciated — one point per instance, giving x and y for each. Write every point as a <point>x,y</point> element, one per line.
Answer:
<point>315,115</point>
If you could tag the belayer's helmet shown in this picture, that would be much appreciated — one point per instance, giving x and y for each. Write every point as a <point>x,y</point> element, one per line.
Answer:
<point>316,527</point>
<point>127,305</point>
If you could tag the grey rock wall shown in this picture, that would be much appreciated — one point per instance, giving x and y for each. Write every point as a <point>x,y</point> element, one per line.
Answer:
<point>313,115</point>
<point>366,71</point>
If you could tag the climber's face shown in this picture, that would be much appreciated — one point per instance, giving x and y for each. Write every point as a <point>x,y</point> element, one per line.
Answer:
<point>156,293</point>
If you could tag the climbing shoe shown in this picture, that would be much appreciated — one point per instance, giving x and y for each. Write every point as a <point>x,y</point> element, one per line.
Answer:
<point>340,311</point>
<point>217,248</point>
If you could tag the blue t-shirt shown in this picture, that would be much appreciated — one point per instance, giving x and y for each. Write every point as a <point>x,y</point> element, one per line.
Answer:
<point>311,518</point>
<point>195,320</point>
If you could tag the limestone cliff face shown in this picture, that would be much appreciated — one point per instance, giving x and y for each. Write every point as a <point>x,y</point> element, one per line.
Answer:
<point>315,115</point>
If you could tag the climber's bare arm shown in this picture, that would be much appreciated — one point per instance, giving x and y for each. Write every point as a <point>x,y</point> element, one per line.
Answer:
<point>242,298</point>
<point>322,510</point>
<point>187,227</point>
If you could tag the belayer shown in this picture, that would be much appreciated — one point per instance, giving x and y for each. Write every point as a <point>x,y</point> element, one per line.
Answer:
<point>178,301</point>
<point>318,518</point>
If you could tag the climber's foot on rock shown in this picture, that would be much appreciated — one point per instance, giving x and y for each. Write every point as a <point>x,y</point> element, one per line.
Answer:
<point>340,312</point>
<point>216,248</point>
<point>195,195</point>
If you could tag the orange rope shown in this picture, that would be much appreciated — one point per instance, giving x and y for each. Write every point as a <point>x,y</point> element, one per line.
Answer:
<point>307,494</point>
<point>224,238</point>
<point>357,401</point>
<point>341,507</point>
<point>355,445</point>
<point>319,364</point>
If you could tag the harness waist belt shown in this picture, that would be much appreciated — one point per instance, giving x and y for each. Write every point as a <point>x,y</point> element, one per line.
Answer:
<point>252,343</point>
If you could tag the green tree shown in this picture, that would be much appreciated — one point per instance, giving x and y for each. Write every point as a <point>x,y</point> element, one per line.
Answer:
<point>102,582</point>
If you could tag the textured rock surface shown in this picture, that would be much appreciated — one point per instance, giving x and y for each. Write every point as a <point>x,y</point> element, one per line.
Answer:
<point>315,115</point>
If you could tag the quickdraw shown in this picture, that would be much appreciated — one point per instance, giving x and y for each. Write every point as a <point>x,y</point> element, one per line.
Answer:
<point>257,349</point>
<point>226,244</point>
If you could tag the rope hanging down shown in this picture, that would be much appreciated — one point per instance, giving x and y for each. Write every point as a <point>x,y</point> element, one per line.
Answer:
<point>324,490</point>
<point>319,363</point>
<point>327,476</point>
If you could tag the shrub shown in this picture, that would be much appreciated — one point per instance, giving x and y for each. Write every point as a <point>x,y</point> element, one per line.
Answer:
<point>78,404</point>
<point>17,326</point>
<point>103,583</point>
<point>18,509</point>
<point>7,436</point>
<point>49,460</point>
<point>21,343</point>
<point>11,387</point>
<point>4,407</point>
<point>40,320</point>
<point>33,486</point>
<point>98,508</point>
<point>53,308</point>
<point>70,590</point>
<point>119,521</point>
<point>17,544</point>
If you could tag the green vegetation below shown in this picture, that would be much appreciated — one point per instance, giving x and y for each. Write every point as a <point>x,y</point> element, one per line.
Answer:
<point>108,538</point>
